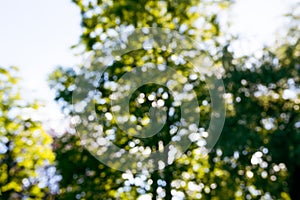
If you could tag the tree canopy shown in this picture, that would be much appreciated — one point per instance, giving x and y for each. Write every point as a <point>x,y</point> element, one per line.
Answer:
<point>147,106</point>
<point>257,154</point>
<point>26,156</point>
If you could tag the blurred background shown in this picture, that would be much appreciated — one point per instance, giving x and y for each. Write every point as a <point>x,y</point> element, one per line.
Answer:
<point>43,45</point>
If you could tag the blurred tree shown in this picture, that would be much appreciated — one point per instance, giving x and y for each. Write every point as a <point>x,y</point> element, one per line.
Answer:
<point>262,129</point>
<point>103,22</point>
<point>256,156</point>
<point>26,157</point>
<point>83,176</point>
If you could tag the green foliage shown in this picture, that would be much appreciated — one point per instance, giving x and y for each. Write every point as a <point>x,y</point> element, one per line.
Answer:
<point>264,120</point>
<point>257,156</point>
<point>25,148</point>
<point>101,21</point>
<point>100,17</point>
<point>83,176</point>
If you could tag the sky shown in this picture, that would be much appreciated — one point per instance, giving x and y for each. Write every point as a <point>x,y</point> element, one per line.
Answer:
<point>259,22</point>
<point>36,36</point>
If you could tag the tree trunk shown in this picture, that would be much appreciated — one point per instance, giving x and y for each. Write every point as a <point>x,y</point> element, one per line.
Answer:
<point>168,178</point>
<point>295,183</point>
<point>154,177</point>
